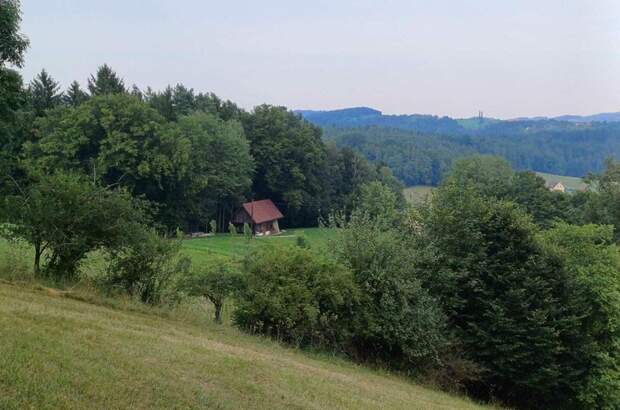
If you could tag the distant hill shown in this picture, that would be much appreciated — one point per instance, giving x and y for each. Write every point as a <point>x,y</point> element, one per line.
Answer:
<point>420,148</point>
<point>602,117</point>
<point>366,116</point>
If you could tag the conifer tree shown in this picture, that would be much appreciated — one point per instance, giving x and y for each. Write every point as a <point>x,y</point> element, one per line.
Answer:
<point>106,81</point>
<point>75,95</point>
<point>43,92</point>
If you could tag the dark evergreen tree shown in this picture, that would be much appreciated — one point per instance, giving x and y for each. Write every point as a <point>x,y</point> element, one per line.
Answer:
<point>106,81</point>
<point>43,93</point>
<point>75,95</point>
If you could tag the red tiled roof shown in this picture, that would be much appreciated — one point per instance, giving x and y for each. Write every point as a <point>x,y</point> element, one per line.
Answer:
<point>262,211</point>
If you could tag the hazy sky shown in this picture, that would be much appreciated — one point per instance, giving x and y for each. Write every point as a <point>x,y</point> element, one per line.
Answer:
<point>508,58</point>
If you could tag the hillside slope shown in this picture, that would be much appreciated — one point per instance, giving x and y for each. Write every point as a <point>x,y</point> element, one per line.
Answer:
<point>58,352</point>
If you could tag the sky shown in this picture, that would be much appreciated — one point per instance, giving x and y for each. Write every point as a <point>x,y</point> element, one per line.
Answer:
<point>508,58</point>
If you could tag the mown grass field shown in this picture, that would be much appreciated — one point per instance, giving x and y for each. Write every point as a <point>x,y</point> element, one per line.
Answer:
<point>61,353</point>
<point>222,244</point>
<point>238,245</point>
<point>571,183</point>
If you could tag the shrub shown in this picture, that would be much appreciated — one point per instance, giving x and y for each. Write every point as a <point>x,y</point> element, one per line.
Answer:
<point>146,266</point>
<point>247,231</point>
<point>397,321</point>
<point>297,296</point>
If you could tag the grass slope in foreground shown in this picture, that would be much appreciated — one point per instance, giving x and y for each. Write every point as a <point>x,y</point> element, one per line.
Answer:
<point>58,352</point>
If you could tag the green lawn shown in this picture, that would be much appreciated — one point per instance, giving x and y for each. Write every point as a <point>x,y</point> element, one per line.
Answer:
<point>58,352</point>
<point>229,245</point>
<point>197,249</point>
<point>418,193</point>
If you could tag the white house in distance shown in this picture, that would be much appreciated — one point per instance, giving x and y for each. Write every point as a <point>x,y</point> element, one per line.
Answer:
<point>555,186</point>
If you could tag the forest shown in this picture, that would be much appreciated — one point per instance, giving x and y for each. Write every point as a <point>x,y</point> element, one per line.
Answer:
<point>420,148</point>
<point>192,156</point>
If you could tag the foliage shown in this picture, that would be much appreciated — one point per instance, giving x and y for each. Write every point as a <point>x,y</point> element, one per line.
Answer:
<point>11,102</point>
<point>74,95</point>
<point>247,231</point>
<point>493,178</point>
<point>290,159</point>
<point>297,296</point>
<point>13,44</point>
<point>504,295</point>
<point>489,176</point>
<point>119,139</point>
<point>215,280</point>
<point>593,263</point>
<point>65,216</point>
<point>379,202</point>
<point>43,93</point>
<point>396,321</point>
<point>106,81</point>
<point>603,206</point>
<point>422,154</point>
<point>531,193</point>
<point>146,266</point>
<point>218,173</point>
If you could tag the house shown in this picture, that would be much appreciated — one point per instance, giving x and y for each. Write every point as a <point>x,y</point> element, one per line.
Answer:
<point>555,186</point>
<point>261,215</point>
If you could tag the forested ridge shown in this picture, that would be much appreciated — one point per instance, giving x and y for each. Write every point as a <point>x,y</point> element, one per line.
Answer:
<point>420,148</point>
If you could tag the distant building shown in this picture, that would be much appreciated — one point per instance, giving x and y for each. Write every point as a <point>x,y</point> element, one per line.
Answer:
<point>555,186</point>
<point>262,216</point>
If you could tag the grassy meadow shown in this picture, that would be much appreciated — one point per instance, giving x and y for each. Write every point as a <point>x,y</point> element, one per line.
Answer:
<point>197,249</point>
<point>63,350</point>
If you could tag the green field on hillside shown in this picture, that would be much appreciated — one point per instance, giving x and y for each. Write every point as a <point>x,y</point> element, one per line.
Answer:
<point>230,245</point>
<point>571,183</point>
<point>223,244</point>
<point>59,352</point>
<point>418,193</point>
